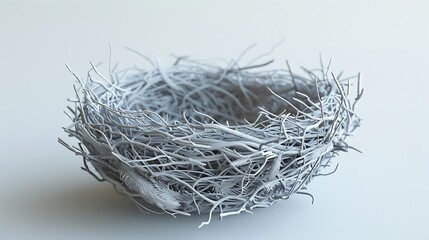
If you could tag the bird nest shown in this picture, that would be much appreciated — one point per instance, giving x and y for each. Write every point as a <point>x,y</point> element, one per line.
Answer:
<point>197,137</point>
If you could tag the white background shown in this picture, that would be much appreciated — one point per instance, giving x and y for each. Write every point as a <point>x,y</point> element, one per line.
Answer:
<point>380,194</point>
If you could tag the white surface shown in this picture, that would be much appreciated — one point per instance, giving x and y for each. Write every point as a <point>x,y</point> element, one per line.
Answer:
<point>380,194</point>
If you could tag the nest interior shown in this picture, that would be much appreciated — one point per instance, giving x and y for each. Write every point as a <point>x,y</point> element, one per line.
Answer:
<point>196,137</point>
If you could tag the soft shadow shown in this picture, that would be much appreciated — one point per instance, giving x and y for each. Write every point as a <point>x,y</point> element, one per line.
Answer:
<point>98,205</point>
<point>88,199</point>
<point>86,205</point>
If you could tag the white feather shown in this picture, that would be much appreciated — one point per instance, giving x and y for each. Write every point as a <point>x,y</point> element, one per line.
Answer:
<point>150,192</point>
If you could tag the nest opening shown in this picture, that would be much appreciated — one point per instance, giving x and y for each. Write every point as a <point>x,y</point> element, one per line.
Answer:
<point>236,100</point>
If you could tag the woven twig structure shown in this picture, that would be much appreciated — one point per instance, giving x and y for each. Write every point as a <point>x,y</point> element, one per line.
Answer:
<point>197,137</point>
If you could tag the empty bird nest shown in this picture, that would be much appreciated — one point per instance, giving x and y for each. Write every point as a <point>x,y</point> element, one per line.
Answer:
<point>196,137</point>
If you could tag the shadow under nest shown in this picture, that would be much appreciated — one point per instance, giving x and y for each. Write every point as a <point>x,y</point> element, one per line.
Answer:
<point>195,137</point>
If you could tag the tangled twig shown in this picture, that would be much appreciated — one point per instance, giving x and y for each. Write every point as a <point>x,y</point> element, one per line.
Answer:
<point>197,137</point>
